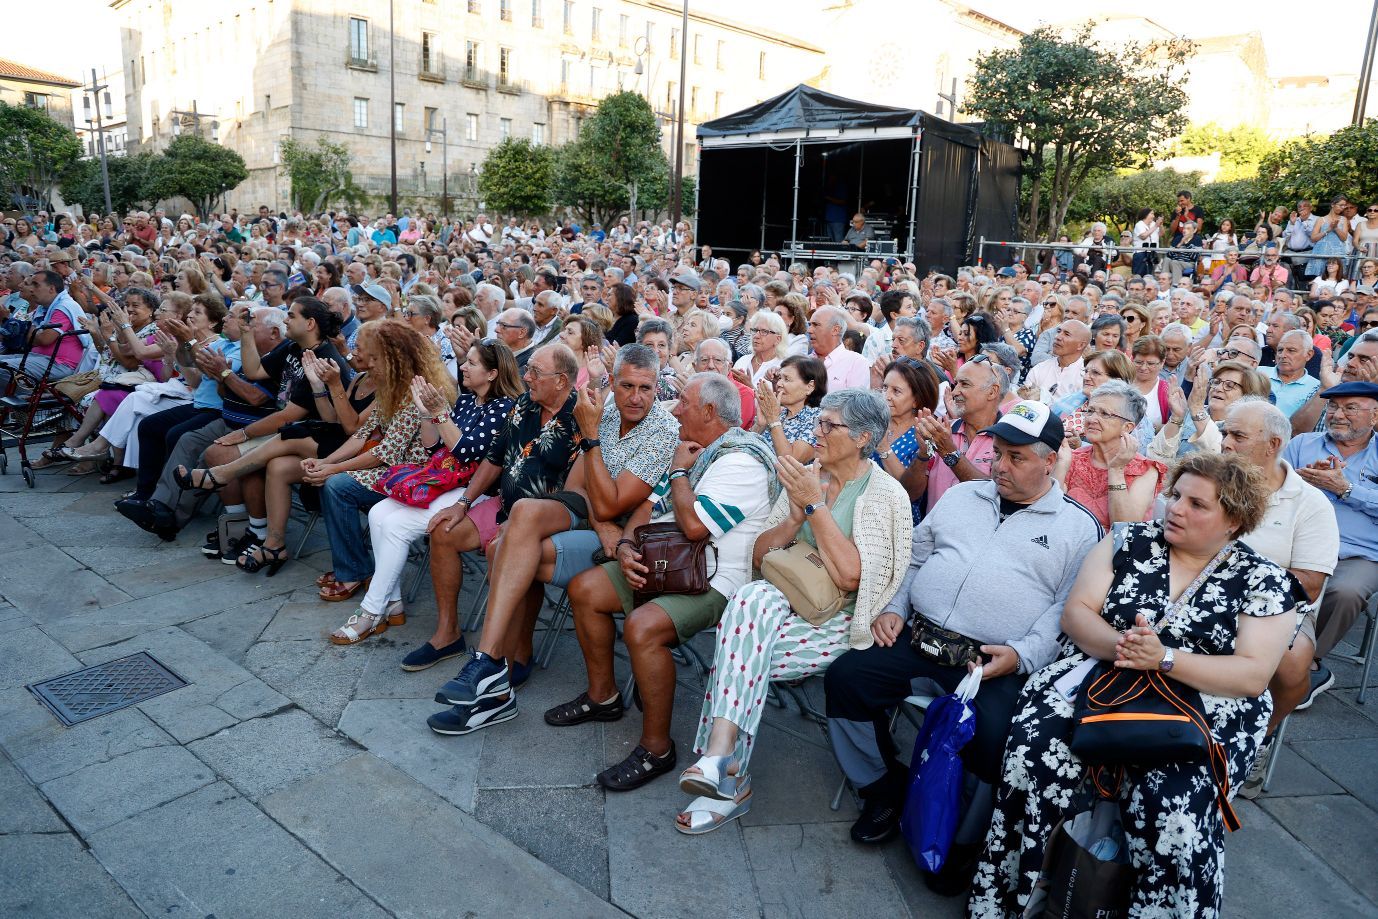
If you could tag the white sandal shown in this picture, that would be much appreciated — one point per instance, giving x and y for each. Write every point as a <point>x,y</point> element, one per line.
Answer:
<point>712,779</point>
<point>352,635</point>
<point>708,814</point>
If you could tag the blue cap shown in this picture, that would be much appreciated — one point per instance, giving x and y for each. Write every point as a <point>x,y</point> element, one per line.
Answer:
<point>1006,272</point>
<point>1356,388</point>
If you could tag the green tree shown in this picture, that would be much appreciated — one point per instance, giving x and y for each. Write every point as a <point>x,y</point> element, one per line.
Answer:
<point>1245,201</point>
<point>1319,168</point>
<point>198,170</point>
<point>618,147</point>
<point>129,182</point>
<point>517,178</point>
<point>1116,198</point>
<point>36,151</point>
<point>1081,107</point>
<point>318,172</point>
<point>1241,149</point>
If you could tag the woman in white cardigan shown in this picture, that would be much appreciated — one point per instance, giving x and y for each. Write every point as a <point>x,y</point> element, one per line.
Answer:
<point>858,518</point>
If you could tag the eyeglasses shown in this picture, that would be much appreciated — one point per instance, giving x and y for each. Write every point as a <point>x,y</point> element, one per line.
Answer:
<point>508,325</point>
<point>1372,210</point>
<point>1148,362</point>
<point>827,426</point>
<point>537,372</point>
<point>1369,325</point>
<point>759,331</point>
<point>1101,413</point>
<point>1226,385</point>
<point>1230,354</point>
<point>1354,410</point>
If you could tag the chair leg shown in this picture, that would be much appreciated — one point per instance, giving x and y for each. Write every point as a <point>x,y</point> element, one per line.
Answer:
<point>1278,736</point>
<point>554,626</point>
<point>477,609</point>
<point>311,520</point>
<point>423,558</point>
<point>1370,635</point>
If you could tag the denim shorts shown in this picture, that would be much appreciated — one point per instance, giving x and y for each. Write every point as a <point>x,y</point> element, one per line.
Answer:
<point>573,553</point>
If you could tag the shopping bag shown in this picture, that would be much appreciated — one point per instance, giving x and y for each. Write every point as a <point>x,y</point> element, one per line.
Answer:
<point>932,808</point>
<point>1086,868</point>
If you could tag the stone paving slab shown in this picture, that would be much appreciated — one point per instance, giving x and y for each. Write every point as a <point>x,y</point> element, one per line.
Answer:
<point>105,793</point>
<point>214,853</point>
<point>563,827</point>
<point>232,632</point>
<point>395,730</point>
<point>318,676</point>
<point>53,877</point>
<point>49,584</point>
<point>338,812</point>
<point>29,655</point>
<point>1316,822</point>
<point>814,871</point>
<point>260,756</point>
<point>44,749</point>
<point>22,808</point>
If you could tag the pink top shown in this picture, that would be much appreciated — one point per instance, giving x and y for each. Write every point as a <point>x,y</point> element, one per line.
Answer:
<point>979,451</point>
<point>71,349</point>
<point>1089,485</point>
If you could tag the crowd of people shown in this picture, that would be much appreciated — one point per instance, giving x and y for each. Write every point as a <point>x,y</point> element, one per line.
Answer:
<point>1027,469</point>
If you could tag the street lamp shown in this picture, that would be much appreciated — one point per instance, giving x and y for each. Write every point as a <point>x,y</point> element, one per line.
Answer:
<point>95,90</point>
<point>444,164</point>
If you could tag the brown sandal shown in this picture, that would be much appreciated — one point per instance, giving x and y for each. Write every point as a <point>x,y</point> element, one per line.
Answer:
<point>339,590</point>
<point>353,634</point>
<point>326,579</point>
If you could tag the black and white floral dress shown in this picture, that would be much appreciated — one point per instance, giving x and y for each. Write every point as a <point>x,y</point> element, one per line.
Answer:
<point>1170,814</point>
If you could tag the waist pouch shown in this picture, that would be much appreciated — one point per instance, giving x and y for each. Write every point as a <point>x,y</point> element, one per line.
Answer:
<point>950,649</point>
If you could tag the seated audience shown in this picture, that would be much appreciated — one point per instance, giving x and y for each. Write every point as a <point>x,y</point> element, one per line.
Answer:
<point>789,409</point>
<point>1107,474</point>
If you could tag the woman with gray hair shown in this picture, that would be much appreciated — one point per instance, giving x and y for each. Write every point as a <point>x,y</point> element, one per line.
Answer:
<point>856,518</point>
<point>426,314</point>
<point>1108,333</point>
<point>1107,475</point>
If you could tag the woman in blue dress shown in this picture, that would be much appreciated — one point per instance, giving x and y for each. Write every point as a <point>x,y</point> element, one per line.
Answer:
<point>1330,236</point>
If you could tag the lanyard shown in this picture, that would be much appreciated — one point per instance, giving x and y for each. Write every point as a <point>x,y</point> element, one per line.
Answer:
<point>1184,599</point>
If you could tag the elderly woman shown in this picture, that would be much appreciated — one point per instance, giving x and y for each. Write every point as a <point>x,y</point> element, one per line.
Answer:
<point>1148,352</point>
<point>425,314</point>
<point>793,311</point>
<point>657,334</point>
<point>1107,475</point>
<point>584,336</point>
<point>1101,367</point>
<point>1183,597</point>
<point>1136,323</point>
<point>767,348</point>
<point>1212,394</point>
<point>1108,333</point>
<point>789,410</point>
<point>857,519</point>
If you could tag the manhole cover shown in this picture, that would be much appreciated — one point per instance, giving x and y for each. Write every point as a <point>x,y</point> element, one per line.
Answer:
<point>105,688</point>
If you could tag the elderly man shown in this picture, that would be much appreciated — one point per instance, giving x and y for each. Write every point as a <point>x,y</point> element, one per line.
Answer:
<point>590,292</point>
<point>720,487</point>
<point>341,303</point>
<point>626,446</point>
<point>531,457</point>
<point>964,450</point>
<point>858,234</point>
<point>1176,337</point>
<point>489,299</point>
<point>516,328</point>
<point>684,297</point>
<point>1291,385</point>
<point>714,356</point>
<point>1061,373</point>
<point>845,368</point>
<point>1359,365</point>
<point>912,334</point>
<point>545,309</point>
<point>1078,308</point>
<point>1343,463</point>
<point>51,356</point>
<point>963,608</point>
<point>14,306</point>
<point>1269,274</point>
<point>1299,533</point>
<point>1224,320</point>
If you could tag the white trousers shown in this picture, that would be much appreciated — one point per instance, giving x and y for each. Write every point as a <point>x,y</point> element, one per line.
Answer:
<point>119,428</point>
<point>392,528</point>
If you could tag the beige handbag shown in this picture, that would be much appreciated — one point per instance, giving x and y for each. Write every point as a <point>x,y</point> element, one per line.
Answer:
<point>797,571</point>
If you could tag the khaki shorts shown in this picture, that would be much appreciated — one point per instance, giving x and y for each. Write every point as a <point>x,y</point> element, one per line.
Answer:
<point>691,613</point>
<point>253,443</point>
<point>1306,627</point>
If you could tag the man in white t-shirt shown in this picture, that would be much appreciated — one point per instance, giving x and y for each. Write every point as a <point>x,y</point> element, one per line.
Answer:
<point>1061,373</point>
<point>720,487</point>
<point>1299,532</point>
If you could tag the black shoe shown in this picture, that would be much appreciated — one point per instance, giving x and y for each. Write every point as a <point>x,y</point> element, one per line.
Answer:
<point>428,655</point>
<point>465,719</point>
<point>958,871</point>
<point>582,709</point>
<point>640,766</point>
<point>230,554</point>
<point>879,821</point>
<point>211,548</point>
<point>1321,680</point>
<point>136,510</point>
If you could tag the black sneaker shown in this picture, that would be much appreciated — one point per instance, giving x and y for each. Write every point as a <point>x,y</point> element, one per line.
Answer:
<point>211,548</point>
<point>465,719</point>
<point>1321,680</point>
<point>246,541</point>
<point>480,678</point>
<point>879,821</point>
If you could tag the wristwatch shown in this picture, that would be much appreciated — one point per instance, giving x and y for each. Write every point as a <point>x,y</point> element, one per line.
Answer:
<point>1167,663</point>
<point>588,443</point>
<point>810,508</point>
<point>885,455</point>
<point>950,460</point>
<point>226,372</point>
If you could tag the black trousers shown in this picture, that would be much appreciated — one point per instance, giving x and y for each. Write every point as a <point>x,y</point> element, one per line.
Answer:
<point>864,686</point>
<point>158,434</point>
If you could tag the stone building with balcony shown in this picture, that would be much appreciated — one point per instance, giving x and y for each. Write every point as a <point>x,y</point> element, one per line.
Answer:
<point>29,86</point>
<point>250,73</point>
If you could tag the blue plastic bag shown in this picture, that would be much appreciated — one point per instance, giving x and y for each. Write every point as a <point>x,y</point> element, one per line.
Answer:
<point>932,809</point>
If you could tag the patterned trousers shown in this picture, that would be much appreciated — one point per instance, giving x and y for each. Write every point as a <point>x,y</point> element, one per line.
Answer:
<point>761,640</point>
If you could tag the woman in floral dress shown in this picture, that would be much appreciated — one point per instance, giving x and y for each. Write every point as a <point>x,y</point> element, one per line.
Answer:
<point>1218,607</point>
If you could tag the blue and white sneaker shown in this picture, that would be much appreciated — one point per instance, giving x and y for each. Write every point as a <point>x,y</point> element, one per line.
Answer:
<point>465,719</point>
<point>480,678</point>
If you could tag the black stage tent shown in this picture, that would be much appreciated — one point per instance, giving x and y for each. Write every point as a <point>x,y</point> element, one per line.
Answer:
<point>929,187</point>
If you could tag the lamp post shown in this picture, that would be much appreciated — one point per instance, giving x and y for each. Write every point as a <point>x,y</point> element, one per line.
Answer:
<point>444,164</point>
<point>676,205</point>
<point>392,107</point>
<point>91,99</point>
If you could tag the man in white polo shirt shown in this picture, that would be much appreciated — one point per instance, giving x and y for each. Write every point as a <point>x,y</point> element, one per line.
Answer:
<point>1299,532</point>
<point>1062,373</point>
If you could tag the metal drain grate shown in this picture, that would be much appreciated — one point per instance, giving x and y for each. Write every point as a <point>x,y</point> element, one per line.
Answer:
<point>105,688</point>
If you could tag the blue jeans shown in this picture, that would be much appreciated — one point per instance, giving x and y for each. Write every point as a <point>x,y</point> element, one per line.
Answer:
<point>342,498</point>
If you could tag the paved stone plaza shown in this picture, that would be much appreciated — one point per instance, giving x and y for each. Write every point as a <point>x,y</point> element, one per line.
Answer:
<point>295,778</point>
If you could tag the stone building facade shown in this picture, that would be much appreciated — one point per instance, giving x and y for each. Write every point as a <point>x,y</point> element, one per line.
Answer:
<point>250,73</point>
<point>21,84</point>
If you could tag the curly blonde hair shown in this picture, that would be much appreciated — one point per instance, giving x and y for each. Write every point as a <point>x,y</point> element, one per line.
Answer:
<point>399,354</point>
<point>1239,486</point>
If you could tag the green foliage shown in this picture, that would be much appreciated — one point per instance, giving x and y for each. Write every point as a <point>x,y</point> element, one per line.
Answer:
<point>198,170</point>
<point>1116,198</point>
<point>619,146</point>
<point>517,178</point>
<point>1319,168</point>
<point>1241,149</point>
<point>1245,201</point>
<point>318,172</point>
<point>36,150</point>
<point>1081,107</point>
<point>130,180</point>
